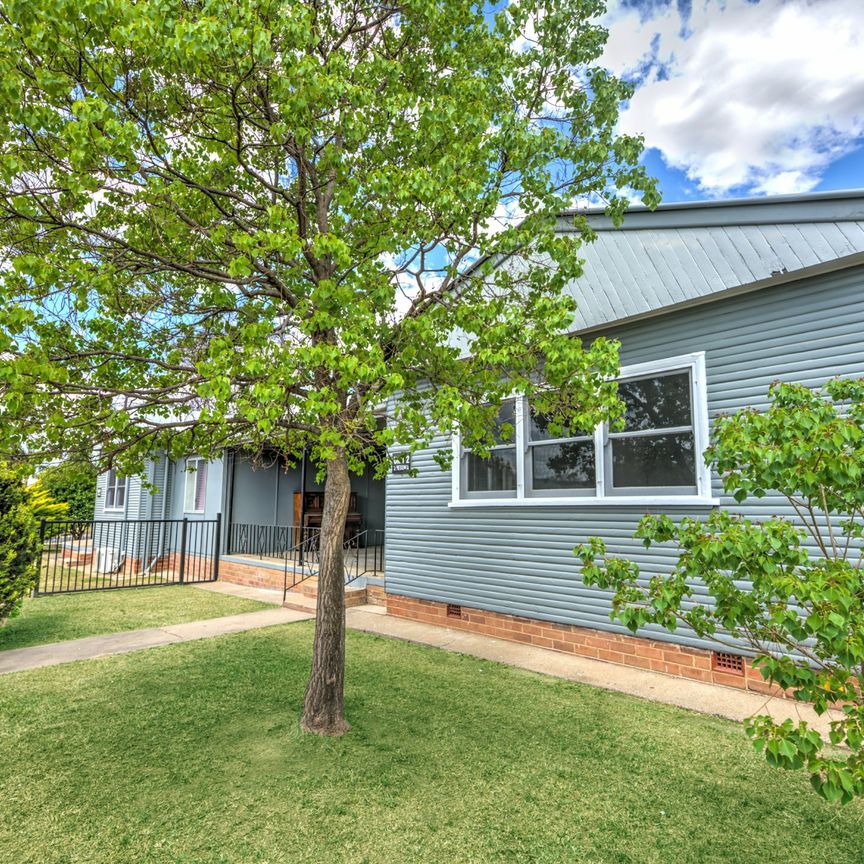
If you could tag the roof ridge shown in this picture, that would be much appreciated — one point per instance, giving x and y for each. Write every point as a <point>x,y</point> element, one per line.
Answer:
<point>843,206</point>
<point>712,203</point>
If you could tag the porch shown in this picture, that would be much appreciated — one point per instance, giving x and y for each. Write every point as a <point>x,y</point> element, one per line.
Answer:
<point>287,558</point>
<point>269,503</point>
<point>267,546</point>
<point>273,520</point>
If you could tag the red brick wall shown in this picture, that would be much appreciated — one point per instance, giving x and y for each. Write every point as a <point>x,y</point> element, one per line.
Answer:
<point>197,567</point>
<point>650,654</point>
<point>375,595</point>
<point>249,574</point>
<point>266,577</point>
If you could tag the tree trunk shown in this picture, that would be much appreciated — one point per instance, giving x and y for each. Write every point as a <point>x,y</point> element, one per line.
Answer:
<point>323,707</point>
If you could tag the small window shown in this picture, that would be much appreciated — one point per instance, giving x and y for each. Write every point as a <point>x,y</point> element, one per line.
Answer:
<point>656,449</point>
<point>559,461</point>
<point>115,492</point>
<point>196,485</point>
<point>493,475</point>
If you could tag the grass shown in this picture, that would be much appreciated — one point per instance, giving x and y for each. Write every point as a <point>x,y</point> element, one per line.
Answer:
<point>191,754</point>
<point>71,616</point>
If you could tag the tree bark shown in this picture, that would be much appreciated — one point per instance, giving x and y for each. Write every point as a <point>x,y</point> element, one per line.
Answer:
<point>323,706</point>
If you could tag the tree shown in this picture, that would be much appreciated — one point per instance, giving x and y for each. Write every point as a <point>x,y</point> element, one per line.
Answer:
<point>74,484</point>
<point>19,544</point>
<point>790,591</point>
<point>238,223</point>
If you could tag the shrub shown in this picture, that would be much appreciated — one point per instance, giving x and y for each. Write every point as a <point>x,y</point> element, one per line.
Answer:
<point>790,590</point>
<point>19,544</point>
<point>43,505</point>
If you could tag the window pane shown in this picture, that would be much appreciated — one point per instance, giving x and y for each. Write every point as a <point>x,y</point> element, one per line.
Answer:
<point>539,426</point>
<point>654,460</point>
<point>656,403</point>
<point>495,474</point>
<point>200,485</point>
<point>506,414</point>
<point>563,466</point>
<point>189,492</point>
<point>115,491</point>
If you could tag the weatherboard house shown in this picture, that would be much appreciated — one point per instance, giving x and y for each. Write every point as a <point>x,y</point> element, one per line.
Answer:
<point>711,302</point>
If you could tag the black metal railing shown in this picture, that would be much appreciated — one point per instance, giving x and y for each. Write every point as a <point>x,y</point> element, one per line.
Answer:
<point>262,541</point>
<point>301,560</point>
<point>360,557</point>
<point>363,554</point>
<point>285,541</point>
<point>126,553</point>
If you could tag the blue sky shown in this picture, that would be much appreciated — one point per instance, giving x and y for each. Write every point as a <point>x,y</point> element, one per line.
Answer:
<point>739,98</point>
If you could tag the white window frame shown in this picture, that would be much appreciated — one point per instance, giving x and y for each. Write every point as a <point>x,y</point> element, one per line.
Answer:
<point>512,444</point>
<point>191,485</point>
<point>528,462</point>
<point>604,495</point>
<point>114,483</point>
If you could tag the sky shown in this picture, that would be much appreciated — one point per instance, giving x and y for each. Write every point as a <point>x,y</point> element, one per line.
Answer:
<point>743,97</point>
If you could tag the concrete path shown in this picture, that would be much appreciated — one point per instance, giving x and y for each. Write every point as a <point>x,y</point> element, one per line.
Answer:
<point>684,693</point>
<point>655,686</point>
<point>247,592</point>
<point>20,659</point>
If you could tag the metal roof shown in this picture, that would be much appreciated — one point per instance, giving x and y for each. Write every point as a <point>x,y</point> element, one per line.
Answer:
<point>684,254</point>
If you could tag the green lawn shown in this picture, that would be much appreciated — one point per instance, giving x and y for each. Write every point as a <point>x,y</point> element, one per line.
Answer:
<point>191,753</point>
<point>71,616</point>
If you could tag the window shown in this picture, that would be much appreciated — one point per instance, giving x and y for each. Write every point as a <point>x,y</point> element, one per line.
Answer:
<point>656,457</point>
<point>196,485</point>
<point>115,492</point>
<point>656,449</point>
<point>493,476</point>
<point>559,464</point>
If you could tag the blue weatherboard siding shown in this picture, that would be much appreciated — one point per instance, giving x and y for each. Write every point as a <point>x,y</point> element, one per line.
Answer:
<point>167,501</point>
<point>519,560</point>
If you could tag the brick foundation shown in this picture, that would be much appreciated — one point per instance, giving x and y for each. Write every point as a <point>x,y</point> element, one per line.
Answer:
<point>375,595</point>
<point>84,559</point>
<point>196,567</point>
<point>651,654</point>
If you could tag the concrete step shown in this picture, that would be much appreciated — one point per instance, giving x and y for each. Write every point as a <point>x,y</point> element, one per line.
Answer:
<point>304,596</point>
<point>300,603</point>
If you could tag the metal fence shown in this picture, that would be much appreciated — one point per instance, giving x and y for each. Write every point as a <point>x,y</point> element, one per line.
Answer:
<point>362,555</point>
<point>299,547</point>
<point>126,553</point>
<point>263,541</point>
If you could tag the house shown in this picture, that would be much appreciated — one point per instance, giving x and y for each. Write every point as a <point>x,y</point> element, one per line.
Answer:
<point>711,302</point>
<point>241,516</point>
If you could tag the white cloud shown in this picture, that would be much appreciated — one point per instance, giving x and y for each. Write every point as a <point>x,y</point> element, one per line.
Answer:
<point>755,96</point>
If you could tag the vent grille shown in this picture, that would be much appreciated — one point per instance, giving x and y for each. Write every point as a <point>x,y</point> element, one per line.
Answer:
<point>454,611</point>
<point>731,663</point>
